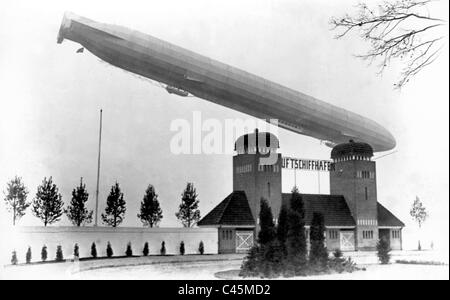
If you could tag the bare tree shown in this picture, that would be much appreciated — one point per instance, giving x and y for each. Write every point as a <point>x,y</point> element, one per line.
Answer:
<point>419,214</point>
<point>399,30</point>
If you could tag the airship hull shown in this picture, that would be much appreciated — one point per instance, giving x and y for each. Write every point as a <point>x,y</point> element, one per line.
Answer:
<point>222,84</point>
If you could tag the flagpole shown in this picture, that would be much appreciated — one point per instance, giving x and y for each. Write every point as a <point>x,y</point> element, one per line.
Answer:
<point>318,179</point>
<point>295,177</point>
<point>98,169</point>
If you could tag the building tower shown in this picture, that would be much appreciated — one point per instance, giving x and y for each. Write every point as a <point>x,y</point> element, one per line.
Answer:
<point>355,178</point>
<point>253,175</point>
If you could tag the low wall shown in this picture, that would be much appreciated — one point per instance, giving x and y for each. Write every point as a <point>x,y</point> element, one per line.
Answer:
<point>21,237</point>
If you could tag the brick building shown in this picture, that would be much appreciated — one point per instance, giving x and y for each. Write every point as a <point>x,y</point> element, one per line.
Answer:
<point>354,219</point>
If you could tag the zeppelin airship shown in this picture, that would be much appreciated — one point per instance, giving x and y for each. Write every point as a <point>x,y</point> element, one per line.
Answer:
<point>185,72</point>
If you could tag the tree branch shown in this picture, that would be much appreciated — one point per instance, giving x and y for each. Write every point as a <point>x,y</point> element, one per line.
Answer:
<point>391,37</point>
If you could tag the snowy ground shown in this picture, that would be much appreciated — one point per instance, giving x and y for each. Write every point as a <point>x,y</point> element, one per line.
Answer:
<point>205,267</point>
<point>206,270</point>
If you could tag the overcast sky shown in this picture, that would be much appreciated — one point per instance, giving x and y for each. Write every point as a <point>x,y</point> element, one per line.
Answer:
<point>50,99</point>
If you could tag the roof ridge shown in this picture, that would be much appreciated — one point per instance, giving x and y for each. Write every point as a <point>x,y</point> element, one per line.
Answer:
<point>311,194</point>
<point>229,197</point>
<point>389,213</point>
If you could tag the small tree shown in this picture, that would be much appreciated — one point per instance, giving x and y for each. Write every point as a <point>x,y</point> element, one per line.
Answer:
<point>272,259</point>
<point>146,250</point>
<point>419,214</point>
<point>251,266</point>
<point>14,258</point>
<point>76,251</point>
<point>16,198</point>
<point>318,254</point>
<point>151,213</point>
<point>94,250</point>
<point>44,253</point>
<point>201,248</point>
<point>77,212</point>
<point>48,204</point>
<point>182,248</point>
<point>109,250</point>
<point>188,212</point>
<point>383,251</point>
<point>115,207</point>
<point>162,251</point>
<point>267,232</point>
<point>265,258</point>
<point>282,228</point>
<point>28,256</point>
<point>296,236</point>
<point>129,251</point>
<point>59,253</point>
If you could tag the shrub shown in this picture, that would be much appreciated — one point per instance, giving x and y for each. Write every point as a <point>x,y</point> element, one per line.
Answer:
<point>420,262</point>
<point>76,251</point>
<point>201,248</point>
<point>163,248</point>
<point>383,250</point>
<point>59,253</point>
<point>318,254</point>
<point>145,251</point>
<point>272,259</point>
<point>251,265</point>
<point>129,251</point>
<point>182,248</point>
<point>14,258</point>
<point>337,253</point>
<point>44,253</point>
<point>109,250</point>
<point>94,250</point>
<point>340,265</point>
<point>28,256</point>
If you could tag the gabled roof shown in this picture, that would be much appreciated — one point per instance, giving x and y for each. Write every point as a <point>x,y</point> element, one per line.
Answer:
<point>386,218</point>
<point>233,210</point>
<point>333,208</point>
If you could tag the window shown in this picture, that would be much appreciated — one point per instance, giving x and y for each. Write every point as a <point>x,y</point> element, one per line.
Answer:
<point>367,234</point>
<point>333,234</point>
<point>244,169</point>
<point>268,189</point>
<point>227,234</point>
<point>366,193</point>
<point>365,174</point>
<point>395,234</point>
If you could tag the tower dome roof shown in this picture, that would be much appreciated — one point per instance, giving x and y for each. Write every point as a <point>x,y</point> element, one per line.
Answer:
<point>261,142</point>
<point>352,148</point>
